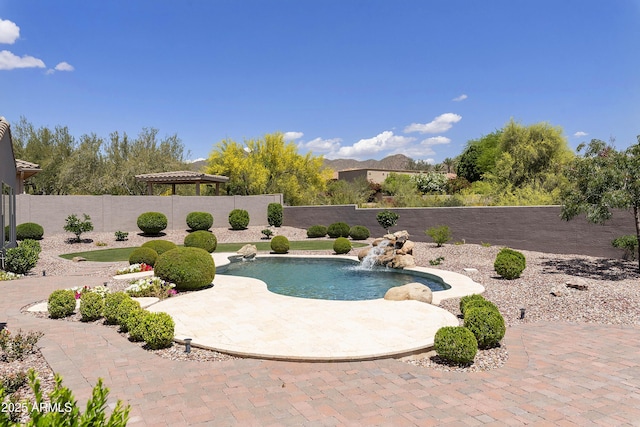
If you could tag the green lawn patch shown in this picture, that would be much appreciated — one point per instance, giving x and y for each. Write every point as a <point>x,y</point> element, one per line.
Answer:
<point>122,254</point>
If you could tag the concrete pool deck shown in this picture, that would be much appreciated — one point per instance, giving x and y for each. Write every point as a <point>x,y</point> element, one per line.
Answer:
<point>240,316</point>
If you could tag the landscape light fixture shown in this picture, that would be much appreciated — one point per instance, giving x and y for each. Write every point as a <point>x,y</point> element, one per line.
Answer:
<point>44,273</point>
<point>522,313</point>
<point>187,345</point>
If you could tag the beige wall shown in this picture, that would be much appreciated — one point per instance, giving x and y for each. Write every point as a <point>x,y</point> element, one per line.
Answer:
<point>372,175</point>
<point>7,177</point>
<point>113,213</point>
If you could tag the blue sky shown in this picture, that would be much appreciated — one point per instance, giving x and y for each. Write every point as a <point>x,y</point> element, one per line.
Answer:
<point>342,78</point>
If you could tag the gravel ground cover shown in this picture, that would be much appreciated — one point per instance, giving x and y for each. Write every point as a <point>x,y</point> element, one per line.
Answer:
<point>612,296</point>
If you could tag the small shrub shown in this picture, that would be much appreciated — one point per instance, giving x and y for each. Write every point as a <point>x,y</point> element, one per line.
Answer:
<point>274,214</point>
<point>387,219</point>
<point>160,246</point>
<point>467,299</point>
<point>152,223</point>
<point>436,261</point>
<point>124,310</point>
<point>342,245</point>
<point>440,234</point>
<point>63,407</point>
<point>111,304</point>
<point>13,381</point>
<point>629,243</point>
<point>267,233</point>
<point>359,232</point>
<point>188,268</point>
<point>101,244</point>
<point>280,245</point>
<point>77,226</point>
<point>487,324</point>
<point>22,259</point>
<point>158,330</point>
<point>134,324</point>
<point>91,306</point>
<point>15,347</point>
<point>238,219</point>
<point>199,221</point>
<point>316,231</point>
<point>61,303</point>
<point>485,244</point>
<point>509,264</point>
<point>143,255</point>
<point>338,229</point>
<point>29,230</point>
<point>201,239</point>
<point>121,236</point>
<point>479,303</point>
<point>456,344</point>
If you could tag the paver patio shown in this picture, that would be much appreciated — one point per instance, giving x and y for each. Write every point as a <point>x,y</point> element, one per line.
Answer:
<point>557,374</point>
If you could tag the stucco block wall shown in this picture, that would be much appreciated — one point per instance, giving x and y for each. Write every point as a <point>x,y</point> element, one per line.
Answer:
<point>537,228</point>
<point>112,213</point>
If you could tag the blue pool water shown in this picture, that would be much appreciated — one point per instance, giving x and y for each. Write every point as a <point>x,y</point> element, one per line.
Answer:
<point>331,279</point>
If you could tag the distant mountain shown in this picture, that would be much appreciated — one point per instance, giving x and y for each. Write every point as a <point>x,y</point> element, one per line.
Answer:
<point>198,166</point>
<point>395,162</point>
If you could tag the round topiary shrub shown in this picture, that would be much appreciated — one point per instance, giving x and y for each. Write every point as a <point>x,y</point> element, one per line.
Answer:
<point>455,344</point>
<point>157,330</point>
<point>280,245</point>
<point>342,245</point>
<point>199,221</point>
<point>135,324</point>
<point>338,229</point>
<point>238,219</point>
<point>143,255</point>
<point>111,304</point>
<point>465,300</point>
<point>201,239</point>
<point>91,306</point>
<point>160,246</point>
<point>188,268</point>
<point>22,259</point>
<point>61,303</point>
<point>274,214</point>
<point>316,231</point>
<point>124,310</point>
<point>509,264</point>
<point>486,324</point>
<point>29,230</point>
<point>476,303</point>
<point>152,223</point>
<point>359,232</point>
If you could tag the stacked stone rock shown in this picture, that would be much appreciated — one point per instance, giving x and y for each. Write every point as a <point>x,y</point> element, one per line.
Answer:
<point>398,252</point>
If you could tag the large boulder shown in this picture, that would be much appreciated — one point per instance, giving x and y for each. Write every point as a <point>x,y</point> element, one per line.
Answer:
<point>402,261</point>
<point>248,251</point>
<point>407,248</point>
<point>363,253</point>
<point>410,291</point>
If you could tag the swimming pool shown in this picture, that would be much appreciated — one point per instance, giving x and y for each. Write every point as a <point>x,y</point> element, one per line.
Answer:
<point>324,278</point>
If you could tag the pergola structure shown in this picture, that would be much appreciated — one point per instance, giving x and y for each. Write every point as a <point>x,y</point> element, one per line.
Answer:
<point>181,177</point>
<point>24,171</point>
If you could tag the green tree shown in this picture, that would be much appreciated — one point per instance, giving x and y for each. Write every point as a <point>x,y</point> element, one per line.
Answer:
<point>603,179</point>
<point>269,165</point>
<point>430,182</point>
<point>341,192</point>
<point>479,157</point>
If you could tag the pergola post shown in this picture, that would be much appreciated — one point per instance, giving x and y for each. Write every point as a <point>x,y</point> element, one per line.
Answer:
<point>197,188</point>
<point>217,188</point>
<point>173,189</point>
<point>149,188</point>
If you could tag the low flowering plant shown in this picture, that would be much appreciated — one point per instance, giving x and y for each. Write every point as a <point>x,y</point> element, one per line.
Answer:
<point>7,275</point>
<point>151,287</point>
<point>79,290</point>
<point>135,268</point>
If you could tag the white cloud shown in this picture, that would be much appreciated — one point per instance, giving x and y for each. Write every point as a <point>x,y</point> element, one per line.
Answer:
<point>424,148</point>
<point>442,123</point>
<point>9,61</point>
<point>64,66</point>
<point>320,145</point>
<point>381,142</point>
<point>9,31</point>
<point>580,134</point>
<point>460,98</point>
<point>196,160</point>
<point>290,136</point>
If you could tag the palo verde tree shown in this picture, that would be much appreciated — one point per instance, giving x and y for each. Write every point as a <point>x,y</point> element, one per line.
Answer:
<point>269,165</point>
<point>601,180</point>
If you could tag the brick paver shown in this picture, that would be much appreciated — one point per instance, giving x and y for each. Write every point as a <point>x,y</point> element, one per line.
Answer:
<point>557,374</point>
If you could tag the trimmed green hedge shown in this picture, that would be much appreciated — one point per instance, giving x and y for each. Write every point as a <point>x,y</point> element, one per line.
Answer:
<point>159,245</point>
<point>342,245</point>
<point>316,231</point>
<point>238,219</point>
<point>487,324</point>
<point>359,232</point>
<point>456,344</point>
<point>280,245</point>
<point>143,255</point>
<point>188,268</point>
<point>29,230</point>
<point>338,229</point>
<point>61,303</point>
<point>274,214</point>
<point>199,221</point>
<point>152,223</point>
<point>201,239</point>
<point>509,264</point>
